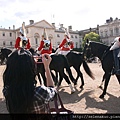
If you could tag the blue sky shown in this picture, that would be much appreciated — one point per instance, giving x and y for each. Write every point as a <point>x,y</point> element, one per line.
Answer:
<point>81,14</point>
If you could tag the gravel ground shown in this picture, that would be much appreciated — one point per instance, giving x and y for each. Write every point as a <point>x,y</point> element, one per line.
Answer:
<point>86,100</point>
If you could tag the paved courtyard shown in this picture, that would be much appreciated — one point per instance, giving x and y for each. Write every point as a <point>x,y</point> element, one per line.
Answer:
<point>86,100</point>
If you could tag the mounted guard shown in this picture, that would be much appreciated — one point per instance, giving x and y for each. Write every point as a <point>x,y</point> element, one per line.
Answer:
<point>22,41</point>
<point>66,44</point>
<point>45,44</point>
<point>116,54</point>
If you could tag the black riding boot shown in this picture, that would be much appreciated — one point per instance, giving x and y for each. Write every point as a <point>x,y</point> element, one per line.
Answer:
<point>116,69</point>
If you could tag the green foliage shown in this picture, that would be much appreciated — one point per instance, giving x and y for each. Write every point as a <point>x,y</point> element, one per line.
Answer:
<point>92,36</point>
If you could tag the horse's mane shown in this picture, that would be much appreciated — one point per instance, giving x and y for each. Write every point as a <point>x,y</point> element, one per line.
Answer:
<point>94,42</point>
<point>99,45</point>
<point>19,77</point>
<point>6,49</point>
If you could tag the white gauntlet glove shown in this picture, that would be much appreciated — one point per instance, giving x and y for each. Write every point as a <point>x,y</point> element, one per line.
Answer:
<point>36,49</point>
<point>38,52</point>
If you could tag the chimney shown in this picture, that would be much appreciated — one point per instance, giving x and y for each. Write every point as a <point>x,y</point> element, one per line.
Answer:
<point>31,22</point>
<point>53,24</point>
<point>69,28</point>
<point>9,27</point>
<point>61,25</point>
<point>13,27</point>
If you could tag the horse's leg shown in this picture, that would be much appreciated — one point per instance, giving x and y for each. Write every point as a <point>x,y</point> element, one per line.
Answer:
<point>60,80</point>
<point>44,78</point>
<point>81,76</point>
<point>63,75</point>
<point>38,75</point>
<point>104,76</point>
<point>2,60</point>
<point>107,79</point>
<point>56,73</point>
<point>54,78</point>
<point>76,77</point>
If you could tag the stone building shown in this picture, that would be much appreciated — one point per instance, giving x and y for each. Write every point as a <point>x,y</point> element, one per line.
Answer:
<point>109,30</point>
<point>34,32</point>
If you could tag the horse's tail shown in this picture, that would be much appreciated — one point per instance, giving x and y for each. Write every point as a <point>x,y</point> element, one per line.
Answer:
<point>87,70</point>
<point>68,69</point>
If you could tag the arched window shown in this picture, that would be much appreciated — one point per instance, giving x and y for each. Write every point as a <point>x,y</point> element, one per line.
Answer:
<point>50,37</point>
<point>111,32</point>
<point>116,31</point>
<point>76,44</point>
<point>36,36</point>
<point>106,33</point>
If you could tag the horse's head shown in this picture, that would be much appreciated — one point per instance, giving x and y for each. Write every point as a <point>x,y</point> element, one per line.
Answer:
<point>32,50</point>
<point>4,52</point>
<point>36,56</point>
<point>87,52</point>
<point>94,49</point>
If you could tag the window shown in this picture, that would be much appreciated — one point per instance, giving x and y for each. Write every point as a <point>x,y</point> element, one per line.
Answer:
<point>36,41</point>
<point>101,34</point>
<point>111,32</point>
<point>3,43</point>
<point>116,31</point>
<point>27,31</point>
<point>36,36</point>
<point>3,34</point>
<point>10,34</point>
<point>75,36</point>
<point>106,33</point>
<point>58,43</point>
<point>50,37</point>
<point>76,44</point>
<point>10,43</point>
<point>71,36</point>
<point>58,35</point>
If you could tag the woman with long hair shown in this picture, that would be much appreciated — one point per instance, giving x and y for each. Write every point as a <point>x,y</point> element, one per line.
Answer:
<point>20,91</point>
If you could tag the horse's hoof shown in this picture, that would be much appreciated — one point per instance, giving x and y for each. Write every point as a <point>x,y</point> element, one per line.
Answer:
<point>81,86</point>
<point>75,86</point>
<point>100,87</point>
<point>72,91</point>
<point>57,88</point>
<point>101,96</point>
<point>75,83</point>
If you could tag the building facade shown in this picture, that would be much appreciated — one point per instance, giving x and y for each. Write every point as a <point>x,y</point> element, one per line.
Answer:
<point>109,30</point>
<point>34,32</point>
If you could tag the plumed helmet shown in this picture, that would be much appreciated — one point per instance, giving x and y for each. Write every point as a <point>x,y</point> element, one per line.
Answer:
<point>67,33</point>
<point>45,34</point>
<point>21,31</point>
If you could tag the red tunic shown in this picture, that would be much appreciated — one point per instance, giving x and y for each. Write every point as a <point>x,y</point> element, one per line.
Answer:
<point>17,44</point>
<point>42,48</point>
<point>65,47</point>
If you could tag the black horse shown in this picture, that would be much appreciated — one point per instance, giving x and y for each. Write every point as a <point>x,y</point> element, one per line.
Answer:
<point>4,54</point>
<point>76,59</point>
<point>106,57</point>
<point>58,63</point>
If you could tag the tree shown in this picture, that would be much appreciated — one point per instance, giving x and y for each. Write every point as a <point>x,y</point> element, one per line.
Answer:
<point>92,36</point>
